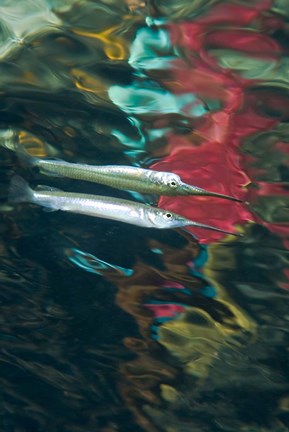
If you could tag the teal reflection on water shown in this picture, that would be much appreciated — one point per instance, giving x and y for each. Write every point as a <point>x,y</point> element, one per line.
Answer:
<point>92,264</point>
<point>149,99</point>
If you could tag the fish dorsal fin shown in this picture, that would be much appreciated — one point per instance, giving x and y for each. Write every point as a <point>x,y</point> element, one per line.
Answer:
<point>45,188</point>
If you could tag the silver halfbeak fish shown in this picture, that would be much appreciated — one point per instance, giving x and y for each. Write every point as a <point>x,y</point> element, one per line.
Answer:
<point>100,206</point>
<point>123,177</point>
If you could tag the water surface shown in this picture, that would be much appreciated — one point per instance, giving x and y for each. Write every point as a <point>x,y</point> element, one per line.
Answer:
<point>110,327</point>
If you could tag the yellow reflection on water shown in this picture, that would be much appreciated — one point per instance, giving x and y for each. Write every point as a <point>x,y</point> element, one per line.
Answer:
<point>89,83</point>
<point>33,144</point>
<point>114,46</point>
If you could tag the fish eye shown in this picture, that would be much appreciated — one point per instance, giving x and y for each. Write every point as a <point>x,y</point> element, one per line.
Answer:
<point>168,215</point>
<point>173,183</point>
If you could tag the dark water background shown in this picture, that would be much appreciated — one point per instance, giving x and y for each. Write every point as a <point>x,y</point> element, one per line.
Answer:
<point>110,327</point>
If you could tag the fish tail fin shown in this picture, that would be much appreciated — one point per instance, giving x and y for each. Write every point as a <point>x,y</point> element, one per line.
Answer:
<point>8,139</point>
<point>25,158</point>
<point>20,191</point>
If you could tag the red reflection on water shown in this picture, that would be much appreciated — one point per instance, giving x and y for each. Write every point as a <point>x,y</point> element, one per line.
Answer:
<point>215,165</point>
<point>245,41</point>
<point>164,310</point>
<point>209,167</point>
<point>192,34</point>
<point>210,156</point>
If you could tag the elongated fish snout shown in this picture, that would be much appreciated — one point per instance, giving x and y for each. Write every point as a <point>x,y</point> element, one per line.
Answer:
<point>187,222</point>
<point>194,190</point>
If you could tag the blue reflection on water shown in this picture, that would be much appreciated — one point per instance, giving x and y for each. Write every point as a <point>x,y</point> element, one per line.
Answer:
<point>92,264</point>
